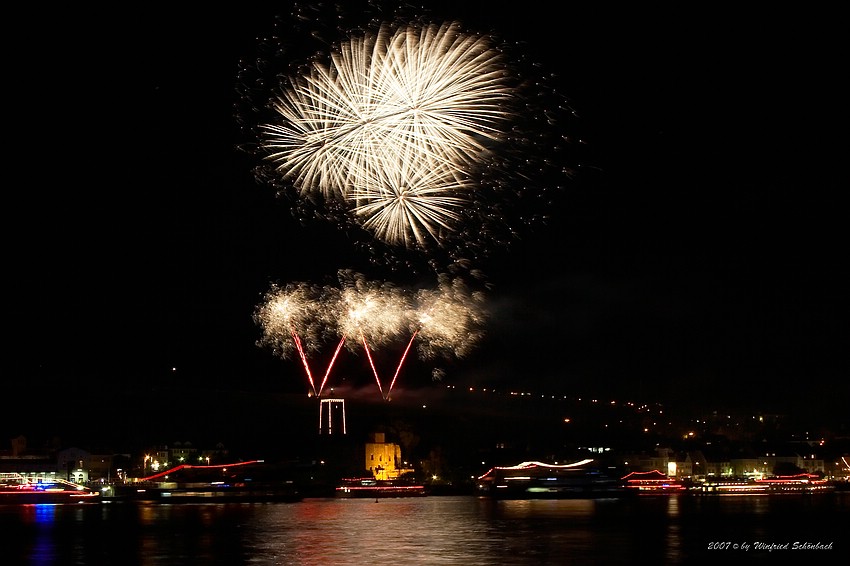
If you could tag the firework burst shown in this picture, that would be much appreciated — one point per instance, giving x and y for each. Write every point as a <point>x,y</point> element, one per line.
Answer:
<point>368,315</point>
<point>371,311</point>
<point>287,312</point>
<point>394,121</point>
<point>411,202</point>
<point>374,313</point>
<point>293,320</point>
<point>411,133</point>
<point>446,320</point>
<point>449,319</point>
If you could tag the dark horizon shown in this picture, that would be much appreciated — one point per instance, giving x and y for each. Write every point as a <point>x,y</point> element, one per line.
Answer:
<point>274,424</point>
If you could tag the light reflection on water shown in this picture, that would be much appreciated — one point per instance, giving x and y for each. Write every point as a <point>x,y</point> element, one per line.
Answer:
<point>415,531</point>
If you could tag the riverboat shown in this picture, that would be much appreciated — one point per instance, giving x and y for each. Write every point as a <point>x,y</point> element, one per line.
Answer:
<point>16,488</point>
<point>249,482</point>
<point>375,488</point>
<point>730,487</point>
<point>652,483</point>
<point>537,480</point>
<point>775,485</point>
<point>799,483</point>
<point>203,492</point>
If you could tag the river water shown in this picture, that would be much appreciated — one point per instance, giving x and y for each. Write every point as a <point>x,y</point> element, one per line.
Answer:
<point>464,530</point>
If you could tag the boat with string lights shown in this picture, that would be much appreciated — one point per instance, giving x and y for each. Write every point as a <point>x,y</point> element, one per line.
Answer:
<point>803,483</point>
<point>16,488</point>
<point>798,483</point>
<point>246,482</point>
<point>652,483</point>
<point>537,480</point>
<point>375,488</point>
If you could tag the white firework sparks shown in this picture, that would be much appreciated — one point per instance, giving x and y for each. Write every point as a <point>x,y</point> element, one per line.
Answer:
<point>409,202</point>
<point>364,314</point>
<point>287,315</point>
<point>396,124</point>
<point>449,319</point>
<point>371,312</point>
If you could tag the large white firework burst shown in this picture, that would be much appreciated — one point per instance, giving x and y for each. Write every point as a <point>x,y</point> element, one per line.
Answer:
<point>395,125</point>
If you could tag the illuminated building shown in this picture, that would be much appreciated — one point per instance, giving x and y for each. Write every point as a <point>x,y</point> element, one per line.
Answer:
<point>383,459</point>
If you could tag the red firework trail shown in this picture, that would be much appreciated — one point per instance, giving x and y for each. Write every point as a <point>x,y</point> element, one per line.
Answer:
<point>386,396</point>
<point>330,365</point>
<point>305,362</point>
<point>401,361</point>
<point>372,363</point>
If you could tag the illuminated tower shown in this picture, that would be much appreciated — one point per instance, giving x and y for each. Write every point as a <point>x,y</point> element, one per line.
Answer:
<point>334,422</point>
<point>383,458</point>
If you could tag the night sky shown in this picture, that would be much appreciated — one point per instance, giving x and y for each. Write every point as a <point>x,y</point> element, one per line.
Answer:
<point>697,257</point>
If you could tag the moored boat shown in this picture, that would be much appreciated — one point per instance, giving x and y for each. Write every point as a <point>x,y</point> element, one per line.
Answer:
<point>15,488</point>
<point>375,488</point>
<point>776,485</point>
<point>203,492</point>
<point>251,481</point>
<point>652,483</point>
<point>537,480</point>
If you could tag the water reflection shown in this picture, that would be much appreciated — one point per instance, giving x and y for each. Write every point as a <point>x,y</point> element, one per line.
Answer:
<point>415,531</point>
<point>42,550</point>
<point>564,508</point>
<point>673,546</point>
<point>37,513</point>
<point>358,531</point>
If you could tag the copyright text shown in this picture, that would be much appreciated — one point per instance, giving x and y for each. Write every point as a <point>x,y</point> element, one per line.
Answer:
<point>769,546</point>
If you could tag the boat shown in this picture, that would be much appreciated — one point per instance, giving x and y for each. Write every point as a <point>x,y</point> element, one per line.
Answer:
<point>731,487</point>
<point>203,492</point>
<point>775,485</point>
<point>652,483</point>
<point>252,481</point>
<point>374,488</point>
<point>798,483</point>
<point>16,488</point>
<point>537,480</point>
